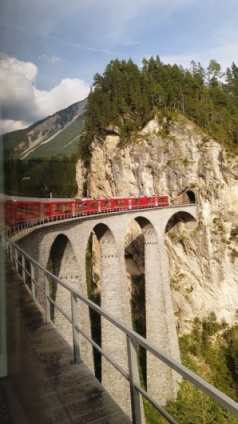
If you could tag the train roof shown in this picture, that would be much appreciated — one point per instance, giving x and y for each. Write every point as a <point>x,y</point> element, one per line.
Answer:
<point>34,199</point>
<point>118,197</point>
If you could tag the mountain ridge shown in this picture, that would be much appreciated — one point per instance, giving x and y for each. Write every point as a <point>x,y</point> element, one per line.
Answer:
<point>29,142</point>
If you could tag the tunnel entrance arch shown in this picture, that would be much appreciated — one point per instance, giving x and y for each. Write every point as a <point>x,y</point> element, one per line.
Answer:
<point>191,197</point>
<point>187,196</point>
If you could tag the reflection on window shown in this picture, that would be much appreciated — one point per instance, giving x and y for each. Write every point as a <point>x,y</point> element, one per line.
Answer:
<point>93,204</point>
<point>107,203</point>
<point>119,202</point>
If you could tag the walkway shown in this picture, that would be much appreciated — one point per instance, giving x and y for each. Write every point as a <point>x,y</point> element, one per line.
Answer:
<point>43,385</point>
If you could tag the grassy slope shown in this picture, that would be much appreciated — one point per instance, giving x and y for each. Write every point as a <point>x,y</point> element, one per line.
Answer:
<point>65,143</point>
<point>12,139</point>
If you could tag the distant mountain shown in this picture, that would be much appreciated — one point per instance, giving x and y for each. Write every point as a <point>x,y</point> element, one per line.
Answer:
<point>56,134</point>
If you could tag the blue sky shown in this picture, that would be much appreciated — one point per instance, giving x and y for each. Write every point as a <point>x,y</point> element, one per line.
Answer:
<point>50,50</point>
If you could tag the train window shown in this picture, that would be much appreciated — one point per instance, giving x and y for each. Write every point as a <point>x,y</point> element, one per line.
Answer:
<point>93,204</point>
<point>57,207</point>
<point>20,210</point>
<point>150,200</point>
<point>65,207</point>
<point>119,202</point>
<point>107,203</point>
<point>79,206</point>
<point>136,201</point>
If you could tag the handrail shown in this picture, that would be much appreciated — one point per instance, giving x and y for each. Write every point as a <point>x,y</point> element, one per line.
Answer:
<point>133,338</point>
<point>54,219</point>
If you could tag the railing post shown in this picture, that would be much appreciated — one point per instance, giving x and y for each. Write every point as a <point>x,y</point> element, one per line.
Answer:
<point>15,258</point>
<point>9,251</point>
<point>23,263</point>
<point>133,378</point>
<point>33,289</point>
<point>47,301</point>
<point>74,314</point>
<point>3,242</point>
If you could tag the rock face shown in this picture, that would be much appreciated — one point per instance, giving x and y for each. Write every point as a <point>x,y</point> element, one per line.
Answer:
<point>203,261</point>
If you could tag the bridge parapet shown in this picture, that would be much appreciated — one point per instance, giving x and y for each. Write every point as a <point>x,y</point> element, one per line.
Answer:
<point>19,258</point>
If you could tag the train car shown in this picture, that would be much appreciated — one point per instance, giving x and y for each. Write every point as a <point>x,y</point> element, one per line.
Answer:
<point>17,210</point>
<point>163,201</point>
<point>62,207</point>
<point>22,209</point>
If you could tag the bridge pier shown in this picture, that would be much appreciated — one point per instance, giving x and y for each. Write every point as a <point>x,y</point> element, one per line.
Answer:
<point>162,382</point>
<point>115,300</point>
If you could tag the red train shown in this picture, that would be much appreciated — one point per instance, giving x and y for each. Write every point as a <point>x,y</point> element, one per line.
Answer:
<point>17,210</point>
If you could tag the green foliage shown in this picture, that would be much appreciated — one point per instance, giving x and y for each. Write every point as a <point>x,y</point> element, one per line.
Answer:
<point>65,143</point>
<point>234,253</point>
<point>234,233</point>
<point>127,98</point>
<point>40,177</point>
<point>211,351</point>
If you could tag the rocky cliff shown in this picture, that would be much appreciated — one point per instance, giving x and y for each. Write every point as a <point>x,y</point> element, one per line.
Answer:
<point>203,261</point>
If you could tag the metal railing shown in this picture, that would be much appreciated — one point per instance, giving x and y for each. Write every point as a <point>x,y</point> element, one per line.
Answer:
<point>20,260</point>
<point>54,219</point>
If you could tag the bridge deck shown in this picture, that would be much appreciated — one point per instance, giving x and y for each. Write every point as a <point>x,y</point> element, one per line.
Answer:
<point>43,386</point>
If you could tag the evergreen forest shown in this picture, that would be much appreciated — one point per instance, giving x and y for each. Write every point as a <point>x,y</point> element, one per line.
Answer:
<point>41,177</point>
<point>126,97</point>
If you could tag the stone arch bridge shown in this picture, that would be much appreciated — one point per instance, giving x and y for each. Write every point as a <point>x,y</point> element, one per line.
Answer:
<point>66,243</point>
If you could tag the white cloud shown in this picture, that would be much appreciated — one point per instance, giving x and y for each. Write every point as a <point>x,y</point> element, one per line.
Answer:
<point>69,91</point>
<point>21,104</point>
<point>9,125</point>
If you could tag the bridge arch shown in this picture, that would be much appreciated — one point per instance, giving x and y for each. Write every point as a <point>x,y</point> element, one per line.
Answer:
<point>182,219</point>
<point>62,263</point>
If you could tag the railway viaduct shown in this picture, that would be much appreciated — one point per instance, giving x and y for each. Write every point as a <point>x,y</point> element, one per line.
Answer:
<point>66,243</point>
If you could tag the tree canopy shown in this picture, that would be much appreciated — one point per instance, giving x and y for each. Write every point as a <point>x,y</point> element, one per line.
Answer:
<point>127,97</point>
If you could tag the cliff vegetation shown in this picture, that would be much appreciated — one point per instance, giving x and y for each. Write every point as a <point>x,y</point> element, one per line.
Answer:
<point>124,98</point>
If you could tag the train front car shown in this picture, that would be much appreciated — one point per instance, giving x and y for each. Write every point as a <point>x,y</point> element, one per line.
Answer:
<point>8,213</point>
<point>151,201</point>
<point>27,209</point>
<point>163,201</point>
